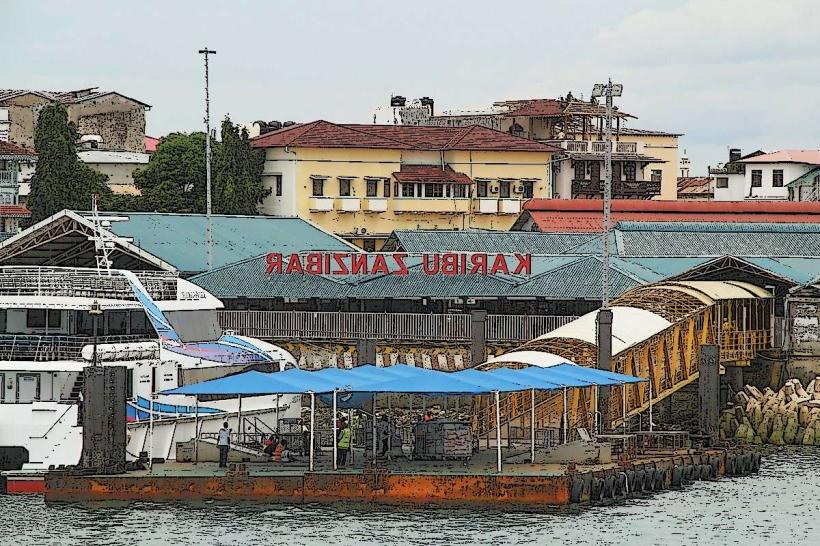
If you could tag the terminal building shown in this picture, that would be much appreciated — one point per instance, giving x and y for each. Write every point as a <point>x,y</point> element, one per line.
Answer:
<point>434,318</point>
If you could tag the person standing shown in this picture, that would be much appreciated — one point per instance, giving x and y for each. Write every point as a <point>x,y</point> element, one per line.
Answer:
<point>224,443</point>
<point>342,443</point>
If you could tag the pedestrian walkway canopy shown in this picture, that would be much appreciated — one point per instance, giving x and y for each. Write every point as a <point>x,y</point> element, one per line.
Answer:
<point>401,378</point>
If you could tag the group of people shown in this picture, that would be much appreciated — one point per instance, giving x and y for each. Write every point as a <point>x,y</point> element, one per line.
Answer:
<point>278,450</point>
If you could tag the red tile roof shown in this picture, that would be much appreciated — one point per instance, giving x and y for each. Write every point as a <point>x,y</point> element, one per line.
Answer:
<point>811,157</point>
<point>14,211</point>
<point>151,144</point>
<point>586,215</point>
<point>539,107</point>
<point>323,134</point>
<point>694,186</point>
<point>10,148</point>
<point>430,173</point>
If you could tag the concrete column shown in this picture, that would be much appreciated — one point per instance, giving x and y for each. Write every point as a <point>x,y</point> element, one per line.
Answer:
<point>366,352</point>
<point>604,335</point>
<point>478,337</point>
<point>103,411</point>
<point>709,390</point>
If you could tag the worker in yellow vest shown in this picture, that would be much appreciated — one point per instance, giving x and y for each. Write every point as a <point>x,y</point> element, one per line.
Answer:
<point>342,443</point>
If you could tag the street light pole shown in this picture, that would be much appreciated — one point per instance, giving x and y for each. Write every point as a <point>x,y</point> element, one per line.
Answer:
<point>210,238</point>
<point>604,319</point>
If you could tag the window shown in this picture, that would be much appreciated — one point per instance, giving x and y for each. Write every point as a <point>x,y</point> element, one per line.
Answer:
<point>503,188</point>
<point>408,189</point>
<point>580,170</point>
<point>386,188</point>
<point>777,178</point>
<point>369,245</point>
<point>459,190</point>
<point>373,188</point>
<point>657,174</point>
<point>344,187</point>
<point>277,184</point>
<point>594,171</point>
<point>757,178</point>
<point>629,171</point>
<point>36,318</point>
<point>481,188</point>
<point>433,190</point>
<point>529,189</point>
<point>722,182</point>
<point>616,172</point>
<point>318,187</point>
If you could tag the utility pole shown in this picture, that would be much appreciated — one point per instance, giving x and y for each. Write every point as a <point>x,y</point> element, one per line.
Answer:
<point>210,237</point>
<point>604,320</point>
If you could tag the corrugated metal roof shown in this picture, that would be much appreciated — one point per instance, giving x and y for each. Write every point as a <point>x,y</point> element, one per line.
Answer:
<point>179,239</point>
<point>486,241</point>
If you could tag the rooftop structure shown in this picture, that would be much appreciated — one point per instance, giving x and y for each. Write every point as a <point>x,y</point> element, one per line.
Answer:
<point>581,216</point>
<point>695,188</point>
<point>11,208</point>
<point>771,176</point>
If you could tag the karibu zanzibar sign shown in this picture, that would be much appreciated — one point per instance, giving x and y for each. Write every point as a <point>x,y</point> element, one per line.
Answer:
<point>397,263</point>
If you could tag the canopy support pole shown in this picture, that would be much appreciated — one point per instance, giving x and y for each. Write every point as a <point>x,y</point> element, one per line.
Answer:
<point>532,425</point>
<point>350,424</point>
<point>623,409</point>
<point>239,422</point>
<point>196,429</point>
<point>566,416</point>
<point>595,415</point>
<point>312,425</point>
<point>498,430</point>
<point>278,409</point>
<point>335,432</point>
<point>650,405</point>
<point>389,431</point>
<point>373,427</point>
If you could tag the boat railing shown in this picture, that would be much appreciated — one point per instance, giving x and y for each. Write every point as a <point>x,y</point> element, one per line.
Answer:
<point>46,348</point>
<point>66,282</point>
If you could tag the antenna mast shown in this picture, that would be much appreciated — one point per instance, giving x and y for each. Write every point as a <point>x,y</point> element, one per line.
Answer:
<point>210,236</point>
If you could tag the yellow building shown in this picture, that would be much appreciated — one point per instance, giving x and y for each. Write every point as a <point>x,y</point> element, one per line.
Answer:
<point>363,181</point>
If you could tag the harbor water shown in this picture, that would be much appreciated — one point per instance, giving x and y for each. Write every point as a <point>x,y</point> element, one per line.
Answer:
<point>778,506</point>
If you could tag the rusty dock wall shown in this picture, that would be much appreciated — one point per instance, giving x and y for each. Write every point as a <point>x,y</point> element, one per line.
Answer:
<point>379,486</point>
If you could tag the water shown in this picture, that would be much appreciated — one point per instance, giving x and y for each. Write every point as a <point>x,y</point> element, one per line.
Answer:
<point>779,506</point>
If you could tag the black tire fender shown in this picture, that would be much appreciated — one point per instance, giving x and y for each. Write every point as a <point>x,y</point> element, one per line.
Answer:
<point>677,476</point>
<point>576,490</point>
<point>660,479</point>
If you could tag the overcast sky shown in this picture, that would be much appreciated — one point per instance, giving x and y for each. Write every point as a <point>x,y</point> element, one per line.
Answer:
<point>726,73</point>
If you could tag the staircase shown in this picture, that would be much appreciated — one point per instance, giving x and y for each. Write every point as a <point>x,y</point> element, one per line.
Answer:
<point>77,388</point>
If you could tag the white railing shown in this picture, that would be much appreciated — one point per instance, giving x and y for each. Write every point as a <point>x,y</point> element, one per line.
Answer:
<point>46,348</point>
<point>309,325</point>
<point>36,281</point>
<point>8,177</point>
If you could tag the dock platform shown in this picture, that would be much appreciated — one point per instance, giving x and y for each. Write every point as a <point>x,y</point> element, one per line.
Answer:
<point>405,482</point>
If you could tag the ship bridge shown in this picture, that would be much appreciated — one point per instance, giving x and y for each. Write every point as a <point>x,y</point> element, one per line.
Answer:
<point>657,333</point>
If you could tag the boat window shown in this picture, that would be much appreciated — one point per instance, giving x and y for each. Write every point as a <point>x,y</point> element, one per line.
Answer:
<point>139,323</point>
<point>196,325</point>
<point>36,318</point>
<point>117,323</point>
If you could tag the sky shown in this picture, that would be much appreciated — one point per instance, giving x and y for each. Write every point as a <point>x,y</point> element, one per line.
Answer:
<point>726,73</point>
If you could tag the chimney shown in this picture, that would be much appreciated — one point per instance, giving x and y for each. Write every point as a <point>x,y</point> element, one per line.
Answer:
<point>734,154</point>
<point>398,101</point>
<point>427,101</point>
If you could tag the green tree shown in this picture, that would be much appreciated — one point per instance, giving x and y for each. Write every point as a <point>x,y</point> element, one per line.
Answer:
<point>61,180</point>
<point>238,183</point>
<point>174,180</point>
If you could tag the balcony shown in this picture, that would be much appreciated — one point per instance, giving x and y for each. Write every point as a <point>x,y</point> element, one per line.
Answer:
<point>487,206</point>
<point>510,206</point>
<point>350,204</point>
<point>8,178</point>
<point>637,189</point>
<point>431,205</point>
<point>595,146</point>
<point>321,204</point>
<point>376,204</point>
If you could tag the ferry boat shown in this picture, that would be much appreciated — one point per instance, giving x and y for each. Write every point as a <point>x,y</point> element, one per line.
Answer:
<point>54,322</point>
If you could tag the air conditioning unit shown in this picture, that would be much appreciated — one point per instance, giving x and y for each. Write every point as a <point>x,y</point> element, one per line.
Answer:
<point>493,189</point>
<point>518,188</point>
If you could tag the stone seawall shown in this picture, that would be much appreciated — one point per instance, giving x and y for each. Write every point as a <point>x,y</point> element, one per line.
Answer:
<point>790,415</point>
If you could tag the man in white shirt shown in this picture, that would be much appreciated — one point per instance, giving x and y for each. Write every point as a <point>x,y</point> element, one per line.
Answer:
<point>224,444</point>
